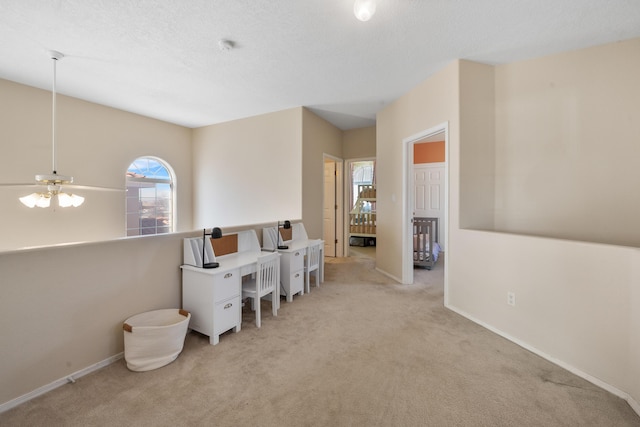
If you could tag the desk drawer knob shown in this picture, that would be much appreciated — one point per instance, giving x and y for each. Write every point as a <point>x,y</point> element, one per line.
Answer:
<point>226,276</point>
<point>297,275</point>
<point>297,253</point>
<point>228,305</point>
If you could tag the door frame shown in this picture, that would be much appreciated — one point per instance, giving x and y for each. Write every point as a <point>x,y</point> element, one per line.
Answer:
<point>407,195</point>
<point>339,197</point>
<point>348,186</point>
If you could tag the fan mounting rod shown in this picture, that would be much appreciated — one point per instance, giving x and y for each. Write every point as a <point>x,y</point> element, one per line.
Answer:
<point>56,56</point>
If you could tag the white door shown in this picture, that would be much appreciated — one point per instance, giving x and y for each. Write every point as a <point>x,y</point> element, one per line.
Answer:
<point>329,208</point>
<point>428,179</point>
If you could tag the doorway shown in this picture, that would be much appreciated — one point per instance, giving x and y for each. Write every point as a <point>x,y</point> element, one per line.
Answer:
<point>421,193</point>
<point>332,207</point>
<point>361,208</point>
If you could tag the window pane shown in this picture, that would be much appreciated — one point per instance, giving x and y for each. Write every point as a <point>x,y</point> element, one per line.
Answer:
<point>149,204</point>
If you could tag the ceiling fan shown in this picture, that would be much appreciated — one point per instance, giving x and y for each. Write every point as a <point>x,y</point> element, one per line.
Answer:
<point>54,182</point>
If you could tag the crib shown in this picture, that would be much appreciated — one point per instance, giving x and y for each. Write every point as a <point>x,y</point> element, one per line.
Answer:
<point>155,338</point>
<point>362,218</point>
<point>425,242</point>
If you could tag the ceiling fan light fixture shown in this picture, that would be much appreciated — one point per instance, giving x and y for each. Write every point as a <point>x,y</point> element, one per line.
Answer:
<point>44,201</point>
<point>31,200</point>
<point>66,200</point>
<point>364,9</point>
<point>53,180</point>
<point>41,200</point>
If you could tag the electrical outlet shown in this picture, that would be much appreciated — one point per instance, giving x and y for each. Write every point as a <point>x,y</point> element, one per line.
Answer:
<point>511,298</point>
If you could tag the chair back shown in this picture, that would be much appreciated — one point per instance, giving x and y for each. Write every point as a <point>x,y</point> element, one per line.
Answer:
<point>268,273</point>
<point>313,255</point>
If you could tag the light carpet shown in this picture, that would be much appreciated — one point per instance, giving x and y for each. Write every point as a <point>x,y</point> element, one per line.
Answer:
<point>359,350</point>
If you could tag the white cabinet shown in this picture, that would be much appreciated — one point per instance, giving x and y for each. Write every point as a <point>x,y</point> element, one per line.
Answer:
<point>292,259</point>
<point>213,299</point>
<point>292,271</point>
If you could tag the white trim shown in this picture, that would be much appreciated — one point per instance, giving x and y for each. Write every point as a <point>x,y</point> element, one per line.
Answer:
<point>348,186</point>
<point>407,197</point>
<point>598,382</point>
<point>391,276</point>
<point>430,165</point>
<point>58,383</point>
<point>339,217</point>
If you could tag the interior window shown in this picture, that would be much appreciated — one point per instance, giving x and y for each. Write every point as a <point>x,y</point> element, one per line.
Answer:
<point>149,197</point>
<point>362,172</point>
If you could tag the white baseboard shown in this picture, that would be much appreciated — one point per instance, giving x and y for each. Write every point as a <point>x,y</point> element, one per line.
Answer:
<point>611,389</point>
<point>389,275</point>
<point>57,383</point>
<point>634,405</point>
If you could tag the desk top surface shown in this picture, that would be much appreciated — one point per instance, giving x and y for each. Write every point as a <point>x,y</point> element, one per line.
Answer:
<point>228,262</point>
<point>297,244</point>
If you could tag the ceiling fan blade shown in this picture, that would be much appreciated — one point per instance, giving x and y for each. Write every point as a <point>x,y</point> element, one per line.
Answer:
<point>30,184</point>
<point>91,187</point>
<point>73,186</point>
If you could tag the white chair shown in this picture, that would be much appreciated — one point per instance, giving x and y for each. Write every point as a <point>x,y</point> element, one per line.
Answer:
<point>267,281</point>
<point>312,263</point>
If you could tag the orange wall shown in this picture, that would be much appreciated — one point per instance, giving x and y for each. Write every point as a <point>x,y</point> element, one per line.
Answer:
<point>428,152</point>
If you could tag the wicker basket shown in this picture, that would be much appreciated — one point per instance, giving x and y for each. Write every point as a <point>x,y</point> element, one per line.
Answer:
<point>155,338</point>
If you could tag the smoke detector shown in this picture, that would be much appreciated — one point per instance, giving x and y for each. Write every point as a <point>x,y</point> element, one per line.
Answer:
<point>225,44</point>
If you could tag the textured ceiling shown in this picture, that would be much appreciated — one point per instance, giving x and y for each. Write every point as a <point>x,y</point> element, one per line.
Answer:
<point>160,58</point>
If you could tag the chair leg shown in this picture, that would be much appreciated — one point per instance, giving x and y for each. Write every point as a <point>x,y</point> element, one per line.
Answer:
<point>257,311</point>
<point>307,282</point>
<point>274,304</point>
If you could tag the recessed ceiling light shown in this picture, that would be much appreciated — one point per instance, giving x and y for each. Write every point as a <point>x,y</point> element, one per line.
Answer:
<point>225,44</point>
<point>364,9</point>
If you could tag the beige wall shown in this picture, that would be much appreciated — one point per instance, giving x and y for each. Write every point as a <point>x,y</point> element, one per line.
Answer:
<point>577,303</point>
<point>62,308</point>
<point>432,103</point>
<point>248,171</point>
<point>94,144</point>
<point>477,151</point>
<point>359,143</point>
<point>319,137</point>
<point>567,147</point>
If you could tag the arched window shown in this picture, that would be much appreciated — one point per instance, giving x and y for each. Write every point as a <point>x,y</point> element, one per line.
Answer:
<point>149,197</point>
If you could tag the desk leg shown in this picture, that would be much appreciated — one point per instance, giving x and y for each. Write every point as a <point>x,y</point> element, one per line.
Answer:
<point>278,296</point>
<point>214,339</point>
<point>322,265</point>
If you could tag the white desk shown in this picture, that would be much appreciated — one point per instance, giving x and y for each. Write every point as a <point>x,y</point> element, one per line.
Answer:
<point>213,296</point>
<point>292,261</point>
<point>292,269</point>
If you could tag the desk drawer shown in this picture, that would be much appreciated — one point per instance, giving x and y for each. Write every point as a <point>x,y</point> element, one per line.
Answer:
<point>226,315</point>
<point>297,260</point>
<point>296,282</point>
<point>227,285</point>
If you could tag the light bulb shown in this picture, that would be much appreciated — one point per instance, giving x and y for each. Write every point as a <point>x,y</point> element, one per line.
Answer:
<point>44,201</point>
<point>364,9</point>
<point>30,200</point>
<point>76,200</point>
<point>64,200</point>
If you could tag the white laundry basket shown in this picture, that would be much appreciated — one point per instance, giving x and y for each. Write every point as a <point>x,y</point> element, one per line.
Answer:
<point>155,338</point>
